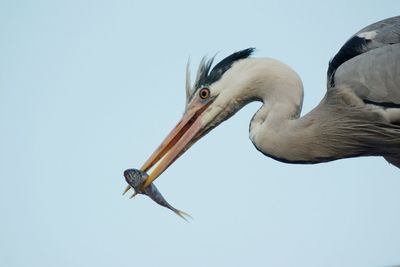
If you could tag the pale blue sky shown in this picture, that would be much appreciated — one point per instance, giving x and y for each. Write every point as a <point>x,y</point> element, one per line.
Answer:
<point>90,88</point>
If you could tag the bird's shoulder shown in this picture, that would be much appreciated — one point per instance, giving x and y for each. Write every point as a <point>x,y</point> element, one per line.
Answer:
<point>377,35</point>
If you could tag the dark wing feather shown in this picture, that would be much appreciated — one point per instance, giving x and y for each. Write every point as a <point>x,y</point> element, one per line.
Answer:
<point>379,34</point>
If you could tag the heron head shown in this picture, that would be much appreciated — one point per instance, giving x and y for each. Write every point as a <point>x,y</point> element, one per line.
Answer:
<point>207,105</point>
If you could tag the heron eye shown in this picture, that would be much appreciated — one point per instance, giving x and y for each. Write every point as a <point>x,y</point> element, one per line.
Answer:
<point>204,93</point>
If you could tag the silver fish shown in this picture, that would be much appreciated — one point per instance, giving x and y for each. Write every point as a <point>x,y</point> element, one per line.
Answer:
<point>136,178</point>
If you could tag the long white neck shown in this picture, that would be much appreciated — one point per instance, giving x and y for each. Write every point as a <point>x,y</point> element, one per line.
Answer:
<point>277,129</point>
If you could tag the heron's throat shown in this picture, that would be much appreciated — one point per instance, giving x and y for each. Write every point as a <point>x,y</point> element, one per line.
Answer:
<point>277,132</point>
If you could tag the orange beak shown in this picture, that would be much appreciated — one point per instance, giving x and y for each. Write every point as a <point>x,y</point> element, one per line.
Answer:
<point>186,132</point>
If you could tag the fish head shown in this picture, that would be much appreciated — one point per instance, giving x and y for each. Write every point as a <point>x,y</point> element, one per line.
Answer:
<point>135,178</point>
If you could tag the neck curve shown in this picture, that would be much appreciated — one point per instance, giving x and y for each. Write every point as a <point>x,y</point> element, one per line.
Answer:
<point>278,131</point>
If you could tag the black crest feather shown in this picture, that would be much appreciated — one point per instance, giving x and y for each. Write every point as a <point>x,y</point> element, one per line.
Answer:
<point>225,64</point>
<point>208,77</point>
<point>205,77</point>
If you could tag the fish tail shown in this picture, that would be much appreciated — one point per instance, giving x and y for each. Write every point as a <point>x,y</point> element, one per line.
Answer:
<point>183,215</point>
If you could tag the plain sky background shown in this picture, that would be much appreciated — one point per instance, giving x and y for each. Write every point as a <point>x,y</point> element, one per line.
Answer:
<point>90,88</point>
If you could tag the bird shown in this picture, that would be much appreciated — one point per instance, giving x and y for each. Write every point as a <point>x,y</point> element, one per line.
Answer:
<point>358,116</point>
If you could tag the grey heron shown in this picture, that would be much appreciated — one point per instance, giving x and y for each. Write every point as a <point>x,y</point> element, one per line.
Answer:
<point>358,116</point>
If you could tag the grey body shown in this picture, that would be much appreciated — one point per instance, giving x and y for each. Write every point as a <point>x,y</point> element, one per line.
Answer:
<point>374,71</point>
<point>373,76</point>
<point>135,178</point>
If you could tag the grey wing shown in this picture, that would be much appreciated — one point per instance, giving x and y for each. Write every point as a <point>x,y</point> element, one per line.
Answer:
<point>376,35</point>
<point>374,76</point>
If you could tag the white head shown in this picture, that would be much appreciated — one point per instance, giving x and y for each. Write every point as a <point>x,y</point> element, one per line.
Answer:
<point>216,95</point>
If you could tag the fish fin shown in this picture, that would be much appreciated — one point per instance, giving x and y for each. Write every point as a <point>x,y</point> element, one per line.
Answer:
<point>134,194</point>
<point>126,189</point>
<point>183,215</point>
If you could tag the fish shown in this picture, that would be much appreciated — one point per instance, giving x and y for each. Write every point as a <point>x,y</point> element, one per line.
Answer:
<point>135,178</point>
